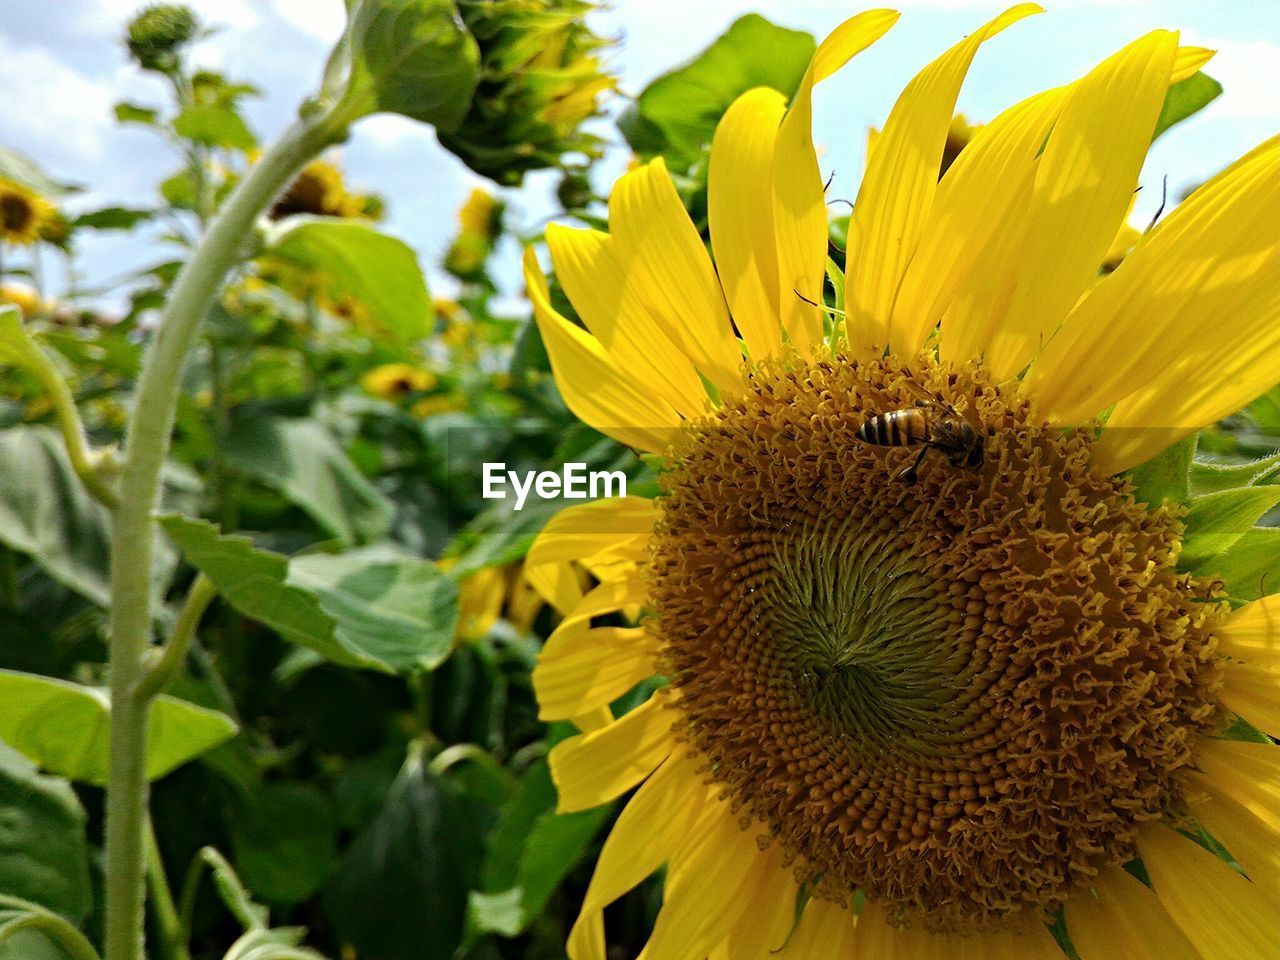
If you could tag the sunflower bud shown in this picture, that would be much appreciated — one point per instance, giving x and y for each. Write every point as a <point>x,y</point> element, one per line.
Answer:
<point>158,33</point>
<point>541,79</point>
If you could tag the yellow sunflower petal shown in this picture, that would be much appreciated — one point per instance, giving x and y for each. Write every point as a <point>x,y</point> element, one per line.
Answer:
<point>655,823</point>
<point>982,195</point>
<point>557,583</point>
<point>597,286</point>
<point>740,213</point>
<point>702,899</point>
<point>1189,60</point>
<point>1083,184</point>
<point>1251,840</point>
<point>1248,772</point>
<point>580,672</point>
<point>769,914</point>
<point>1214,256</point>
<point>1223,915</point>
<point>594,387</point>
<point>666,266</point>
<point>617,528</point>
<point>898,188</point>
<point>824,932</point>
<point>1253,691</point>
<point>1125,919</point>
<point>799,203</point>
<point>592,768</point>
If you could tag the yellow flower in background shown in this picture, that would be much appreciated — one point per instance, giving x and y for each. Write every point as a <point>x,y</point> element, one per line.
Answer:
<point>493,593</point>
<point>393,380</point>
<point>22,213</point>
<point>442,403</point>
<point>319,190</point>
<point>19,295</point>
<point>918,711</point>
<point>479,225</point>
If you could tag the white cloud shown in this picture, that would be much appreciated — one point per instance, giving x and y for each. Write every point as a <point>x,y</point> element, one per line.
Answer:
<point>50,105</point>
<point>323,19</point>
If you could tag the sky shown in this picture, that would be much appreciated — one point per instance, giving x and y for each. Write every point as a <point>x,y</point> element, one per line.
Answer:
<point>62,67</point>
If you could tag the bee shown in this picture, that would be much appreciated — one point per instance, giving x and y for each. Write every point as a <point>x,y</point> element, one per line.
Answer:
<point>929,426</point>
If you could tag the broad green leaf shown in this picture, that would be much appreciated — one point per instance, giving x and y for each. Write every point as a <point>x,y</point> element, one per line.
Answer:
<point>404,608</point>
<point>63,727</point>
<point>45,512</point>
<point>1209,477</point>
<point>1217,520</point>
<point>411,57</point>
<point>1186,98</point>
<point>401,888</point>
<point>530,851</point>
<point>284,840</point>
<point>113,218</point>
<point>44,856</point>
<point>1164,476</point>
<point>1250,568</point>
<point>379,271</point>
<point>214,126</point>
<point>365,609</point>
<point>302,460</point>
<point>28,944</point>
<point>134,113</point>
<point>676,115</point>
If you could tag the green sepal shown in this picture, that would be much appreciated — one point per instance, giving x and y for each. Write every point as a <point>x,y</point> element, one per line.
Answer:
<point>1209,477</point>
<point>1246,567</point>
<point>1215,521</point>
<point>1166,475</point>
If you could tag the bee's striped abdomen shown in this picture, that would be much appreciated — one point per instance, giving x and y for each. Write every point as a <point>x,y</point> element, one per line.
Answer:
<point>897,428</point>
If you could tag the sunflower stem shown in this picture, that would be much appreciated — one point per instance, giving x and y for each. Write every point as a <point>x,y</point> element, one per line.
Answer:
<point>147,444</point>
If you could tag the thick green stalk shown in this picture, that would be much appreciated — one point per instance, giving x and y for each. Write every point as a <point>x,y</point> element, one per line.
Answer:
<point>147,444</point>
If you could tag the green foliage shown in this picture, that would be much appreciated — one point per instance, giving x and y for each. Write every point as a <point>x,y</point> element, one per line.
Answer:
<point>676,115</point>
<point>285,841</point>
<point>400,889</point>
<point>379,271</point>
<point>410,57</point>
<point>362,608</point>
<point>1185,99</point>
<point>1215,521</point>
<point>214,126</point>
<point>303,461</point>
<point>530,851</point>
<point>1247,565</point>
<point>43,852</point>
<point>1165,477</point>
<point>63,727</point>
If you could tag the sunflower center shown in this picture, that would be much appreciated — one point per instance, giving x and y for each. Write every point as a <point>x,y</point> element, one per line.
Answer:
<point>959,695</point>
<point>16,212</point>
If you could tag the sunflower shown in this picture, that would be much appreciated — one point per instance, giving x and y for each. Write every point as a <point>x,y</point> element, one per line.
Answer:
<point>958,700</point>
<point>22,213</point>
<point>393,380</point>
<point>319,190</point>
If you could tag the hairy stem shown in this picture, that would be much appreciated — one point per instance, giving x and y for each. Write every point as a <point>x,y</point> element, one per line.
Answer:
<point>147,444</point>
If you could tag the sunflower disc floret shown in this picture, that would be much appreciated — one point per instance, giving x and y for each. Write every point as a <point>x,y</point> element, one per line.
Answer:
<point>961,697</point>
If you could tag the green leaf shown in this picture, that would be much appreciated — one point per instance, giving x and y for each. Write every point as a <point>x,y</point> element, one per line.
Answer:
<point>214,126</point>
<point>530,851</point>
<point>1165,476</point>
<point>401,888</point>
<point>404,608</point>
<point>1186,98</point>
<point>45,512</point>
<point>1210,477</point>
<point>676,115</point>
<point>379,271</point>
<point>301,459</point>
<point>364,609</point>
<point>44,857</point>
<point>133,113</point>
<point>284,841</point>
<point>113,218</point>
<point>1217,520</point>
<point>411,57</point>
<point>1250,568</point>
<point>64,727</point>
